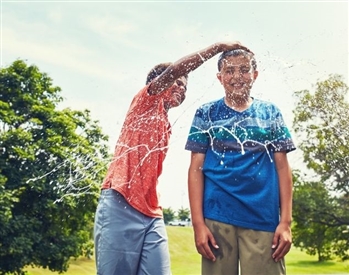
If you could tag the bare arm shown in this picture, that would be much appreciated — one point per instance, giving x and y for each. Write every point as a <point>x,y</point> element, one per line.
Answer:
<point>196,188</point>
<point>189,63</point>
<point>203,236</point>
<point>283,238</point>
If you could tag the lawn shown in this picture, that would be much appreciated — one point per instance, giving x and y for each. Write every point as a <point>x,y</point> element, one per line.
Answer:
<point>186,261</point>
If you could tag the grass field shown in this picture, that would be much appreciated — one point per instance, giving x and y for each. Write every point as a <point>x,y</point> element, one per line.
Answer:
<point>186,261</point>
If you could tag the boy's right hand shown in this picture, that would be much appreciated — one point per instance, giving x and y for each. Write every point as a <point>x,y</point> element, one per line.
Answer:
<point>229,46</point>
<point>204,240</point>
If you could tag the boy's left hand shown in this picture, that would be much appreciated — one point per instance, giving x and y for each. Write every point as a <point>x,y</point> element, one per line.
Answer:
<point>282,241</point>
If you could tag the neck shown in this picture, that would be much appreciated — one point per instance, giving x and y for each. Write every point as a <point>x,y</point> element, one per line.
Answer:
<point>238,104</point>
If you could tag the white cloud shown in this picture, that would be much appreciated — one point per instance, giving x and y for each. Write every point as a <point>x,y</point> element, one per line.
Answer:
<point>56,50</point>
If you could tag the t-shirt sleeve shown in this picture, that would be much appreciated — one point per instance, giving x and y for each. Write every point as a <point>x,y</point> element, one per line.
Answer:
<point>198,137</point>
<point>282,140</point>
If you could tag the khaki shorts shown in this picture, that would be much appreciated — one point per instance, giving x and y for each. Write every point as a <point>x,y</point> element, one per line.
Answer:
<point>240,248</point>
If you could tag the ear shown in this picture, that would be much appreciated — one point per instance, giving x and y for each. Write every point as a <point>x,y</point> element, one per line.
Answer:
<point>255,74</point>
<point>219,76</point>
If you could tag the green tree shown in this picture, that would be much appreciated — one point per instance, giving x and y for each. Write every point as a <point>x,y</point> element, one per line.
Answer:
<point>183,214</point>
<point>51,162</point>
<point>321,121</point>
<point>169,214</point>
<point>311,231</point>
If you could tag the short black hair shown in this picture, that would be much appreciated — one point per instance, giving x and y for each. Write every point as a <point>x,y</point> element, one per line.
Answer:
<point>236,52</point>
<point>156,71</point>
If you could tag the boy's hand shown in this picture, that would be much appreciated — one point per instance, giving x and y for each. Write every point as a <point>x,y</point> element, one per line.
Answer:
<point>229,46</point>
<point>282,241</point>
<point>204,240</point>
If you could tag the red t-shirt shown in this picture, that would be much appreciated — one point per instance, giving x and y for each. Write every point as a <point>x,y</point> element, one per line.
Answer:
<point>140,152</point>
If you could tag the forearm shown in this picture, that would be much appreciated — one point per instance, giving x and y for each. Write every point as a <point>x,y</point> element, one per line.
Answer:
<point>286,201</point>
<point>196,193</point>
<point>286,191</point>
<point>190,62</point>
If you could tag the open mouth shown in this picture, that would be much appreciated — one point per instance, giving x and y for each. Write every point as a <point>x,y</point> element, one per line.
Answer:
<point>238,85</point>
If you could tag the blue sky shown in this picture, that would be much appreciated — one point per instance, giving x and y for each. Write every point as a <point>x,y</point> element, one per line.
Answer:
<point>99,53</point>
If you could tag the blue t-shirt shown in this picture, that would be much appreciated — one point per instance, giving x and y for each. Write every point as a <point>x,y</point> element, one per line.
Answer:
<point>241,181</point>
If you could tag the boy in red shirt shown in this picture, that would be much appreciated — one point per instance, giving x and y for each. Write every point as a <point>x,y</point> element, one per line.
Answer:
<point>130,234</point>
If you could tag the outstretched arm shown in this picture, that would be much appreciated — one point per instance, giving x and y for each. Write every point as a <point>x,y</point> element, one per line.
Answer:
<point>189,63</point>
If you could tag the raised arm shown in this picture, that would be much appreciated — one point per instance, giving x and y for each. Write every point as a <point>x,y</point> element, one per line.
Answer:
<point>189,63</point>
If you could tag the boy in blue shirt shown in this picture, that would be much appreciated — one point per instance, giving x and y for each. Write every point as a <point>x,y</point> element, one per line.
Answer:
<point>240,181</point>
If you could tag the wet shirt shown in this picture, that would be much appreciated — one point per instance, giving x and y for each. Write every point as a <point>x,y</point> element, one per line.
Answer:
<point>241,181</point>
<point>140,152</point>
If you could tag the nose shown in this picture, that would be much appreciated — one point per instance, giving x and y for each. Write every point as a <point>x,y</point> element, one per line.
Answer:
<point>182,88</point>
<point>237,74</point>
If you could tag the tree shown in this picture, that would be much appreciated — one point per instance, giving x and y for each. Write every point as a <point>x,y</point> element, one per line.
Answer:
<point>311,230</point>
<point>52,162</point>
<point>169,214</point>
<point>321,121</point>
<point>183,214</point>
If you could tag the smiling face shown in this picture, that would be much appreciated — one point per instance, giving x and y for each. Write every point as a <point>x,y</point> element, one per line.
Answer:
<point>237,76</point>
<point>176,94</point>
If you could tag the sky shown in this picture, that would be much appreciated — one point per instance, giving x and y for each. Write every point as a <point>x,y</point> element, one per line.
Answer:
<point>99,53</point>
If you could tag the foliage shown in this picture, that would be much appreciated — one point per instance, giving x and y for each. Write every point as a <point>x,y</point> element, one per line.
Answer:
<point>183,214</point>
<point>322,123</point>
<point>169,214</point>
<point>51,164</point>
<point>312,230</point>
<point>321,207</point>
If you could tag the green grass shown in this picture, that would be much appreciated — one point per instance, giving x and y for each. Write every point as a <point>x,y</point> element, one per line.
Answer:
<point>298,262</point>
<point>186,261</point>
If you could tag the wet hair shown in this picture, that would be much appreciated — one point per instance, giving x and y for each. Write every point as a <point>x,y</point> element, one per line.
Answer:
<point>236,52</point>
<point>158,70</point>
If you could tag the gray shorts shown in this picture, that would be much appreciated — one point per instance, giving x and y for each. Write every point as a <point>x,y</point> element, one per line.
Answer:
<point>240,248</point>
<point>126,241</point>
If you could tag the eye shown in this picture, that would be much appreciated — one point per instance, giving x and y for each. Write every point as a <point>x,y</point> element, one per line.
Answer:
<point>181,84</point>
<point>245,70</point>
